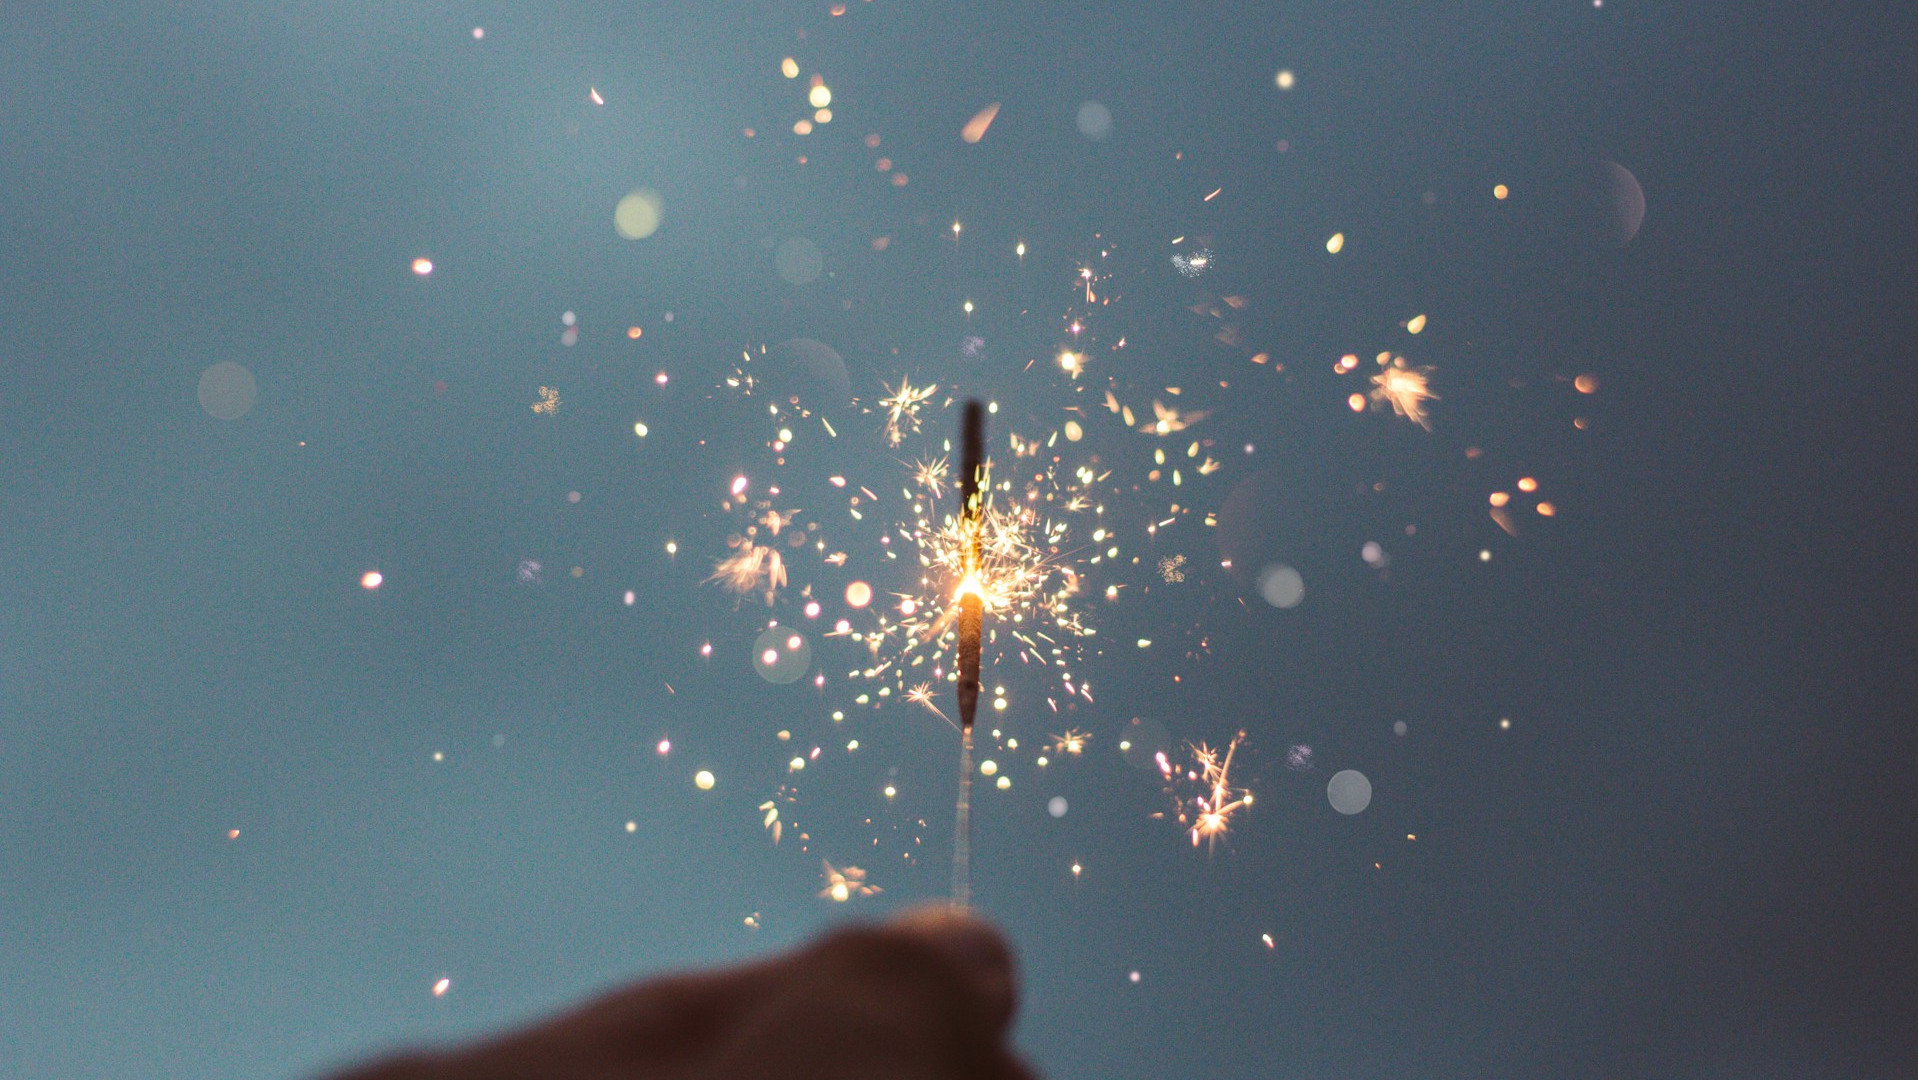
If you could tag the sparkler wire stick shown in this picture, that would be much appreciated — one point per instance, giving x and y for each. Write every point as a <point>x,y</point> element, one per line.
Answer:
<point>971,615</point>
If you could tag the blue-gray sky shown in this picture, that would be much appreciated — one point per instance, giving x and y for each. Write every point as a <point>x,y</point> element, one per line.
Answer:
<point>1688,856</point>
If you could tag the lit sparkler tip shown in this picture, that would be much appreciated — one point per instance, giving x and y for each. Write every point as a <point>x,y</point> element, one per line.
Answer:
<point>971,615</point>
<point>971,603</point>
<point>971,596</point>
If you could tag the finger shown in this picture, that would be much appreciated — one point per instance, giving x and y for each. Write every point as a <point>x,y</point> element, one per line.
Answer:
<point>675,1017</point>
<point>977,949</point>
<point>929,995</point>
<point>923,1000</point>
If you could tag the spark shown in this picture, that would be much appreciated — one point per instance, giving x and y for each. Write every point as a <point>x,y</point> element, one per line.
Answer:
<point>1072,742</point>
<point>771,819</point>
<point>931,474</point>
<point>922,695</point>
<point>1405,389</point>
<point>1208,814</point>
<point>1167,420</point>
<point>750,568</point>
<point>975,128</point>
<point>902,409</point>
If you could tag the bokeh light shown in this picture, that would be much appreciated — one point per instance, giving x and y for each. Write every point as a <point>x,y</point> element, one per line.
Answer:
<point>1349,791</point>
<point>704,780</point>
<point>798,261</point>
<point>1627,202</point>
<point>228,390</point>
<point>810,370</point>
<point>1094,121</point>
<point>1281,586</point>
<point>781,655</point>
<point>1142,740</point>
<point>637,215</point>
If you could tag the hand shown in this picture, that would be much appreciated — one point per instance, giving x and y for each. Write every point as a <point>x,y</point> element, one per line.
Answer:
<point>926,997</point>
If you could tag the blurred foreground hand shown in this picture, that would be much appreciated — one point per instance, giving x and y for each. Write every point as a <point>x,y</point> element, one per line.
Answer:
<point>926,997</point>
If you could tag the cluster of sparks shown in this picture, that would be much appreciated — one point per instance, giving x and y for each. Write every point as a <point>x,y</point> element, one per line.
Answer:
<point>1072,741</point>
<point>751,568</point>
<point>1029,591</point>
<point>1206,813</point>
<point>1057,526</point>
<point>1043,534</point>
<point>902,406</point>
<point>1406,389</point>
<point>842,884</point>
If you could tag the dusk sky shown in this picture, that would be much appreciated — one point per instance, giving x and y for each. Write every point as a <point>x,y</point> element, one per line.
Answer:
<point>1487,422</point>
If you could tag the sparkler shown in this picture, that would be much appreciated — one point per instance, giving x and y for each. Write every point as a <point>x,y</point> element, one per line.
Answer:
<point>971,615</point>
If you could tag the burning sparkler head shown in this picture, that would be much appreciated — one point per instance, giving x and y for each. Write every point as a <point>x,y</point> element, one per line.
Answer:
<point>971,598</point>
<point>971,586</point>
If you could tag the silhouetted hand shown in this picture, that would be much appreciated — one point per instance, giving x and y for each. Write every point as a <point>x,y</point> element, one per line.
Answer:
<point>926,997</point>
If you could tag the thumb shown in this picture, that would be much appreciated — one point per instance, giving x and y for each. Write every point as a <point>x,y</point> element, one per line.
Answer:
<point>975,948</point>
